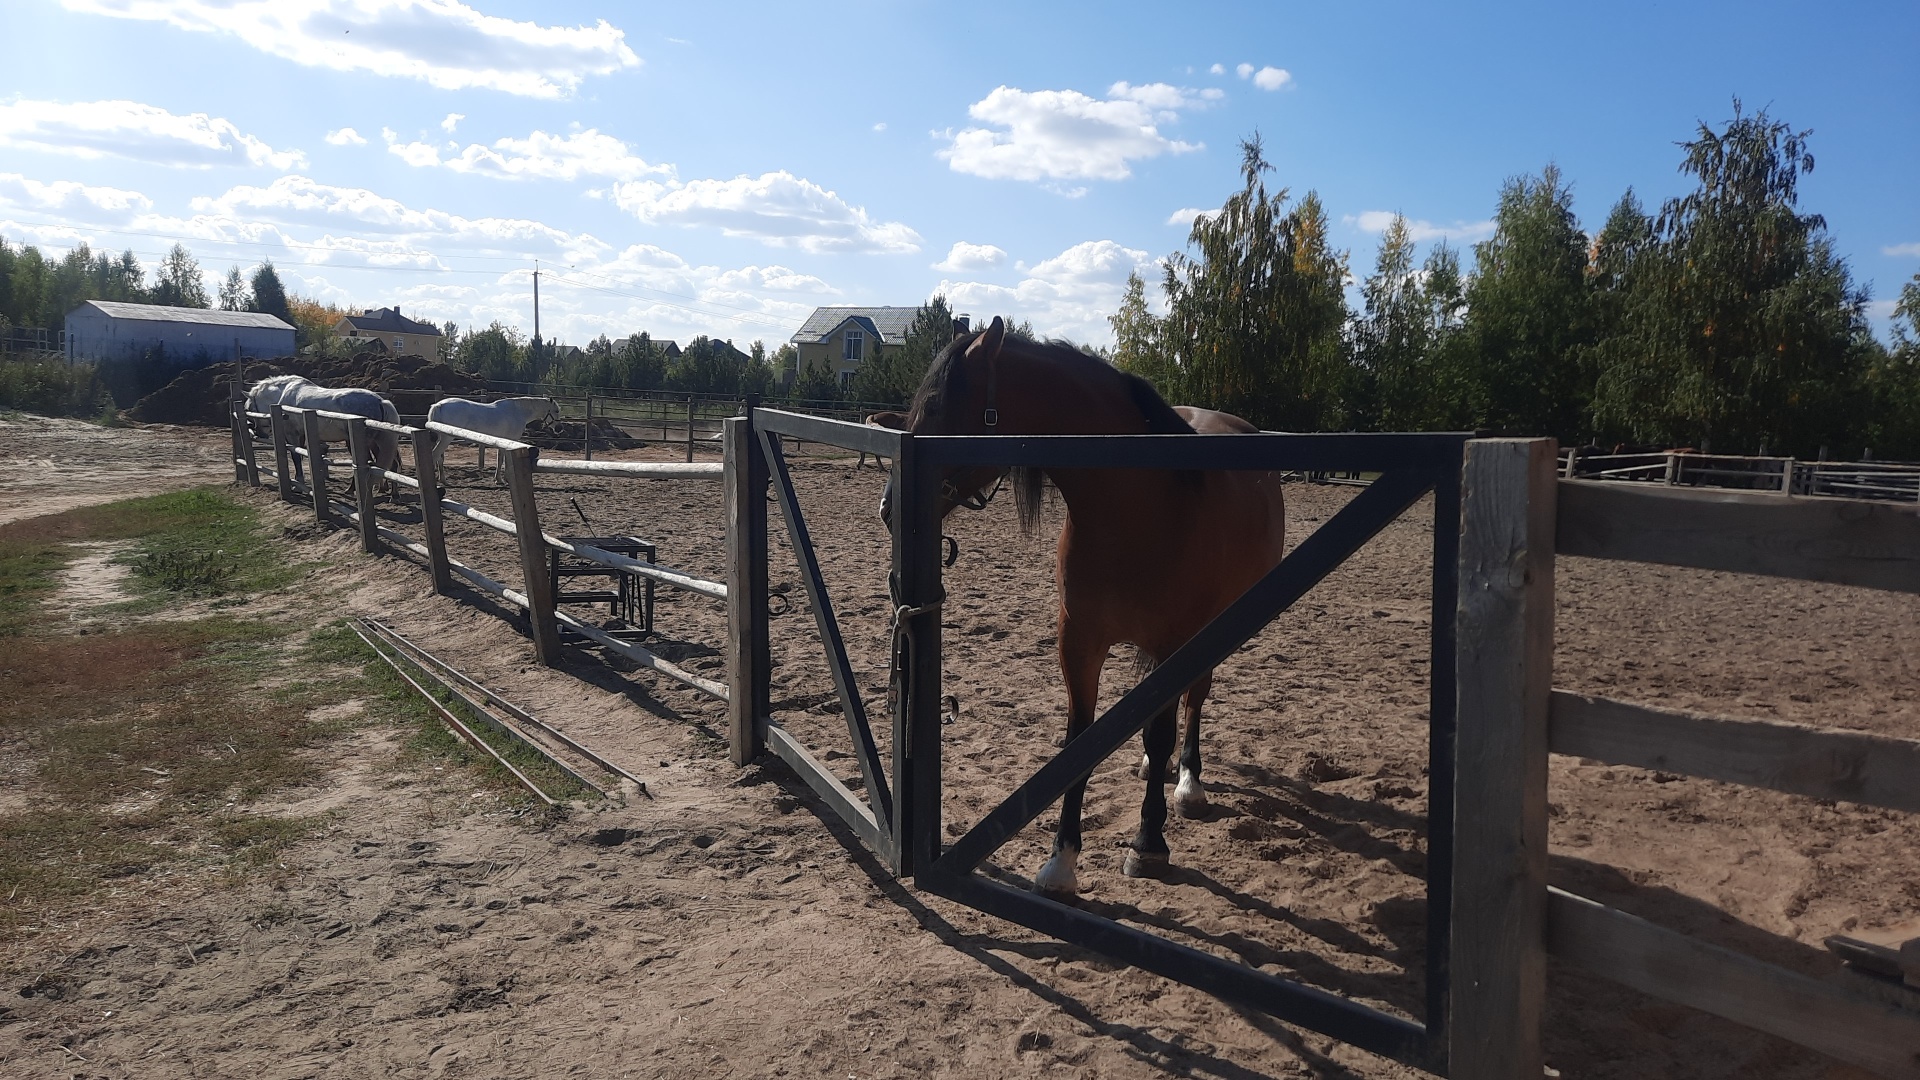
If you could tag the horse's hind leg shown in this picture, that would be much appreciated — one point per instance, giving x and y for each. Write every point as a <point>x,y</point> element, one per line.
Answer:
<point>1189,797</point>
<point>1147,856</point>
<point>1080,662</point>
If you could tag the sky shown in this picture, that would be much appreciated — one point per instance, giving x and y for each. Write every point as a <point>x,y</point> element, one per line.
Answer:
<point>723,168</point>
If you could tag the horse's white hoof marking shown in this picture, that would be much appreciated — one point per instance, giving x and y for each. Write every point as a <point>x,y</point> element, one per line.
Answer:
<point>1058,877</point>
<point>1190,798</point>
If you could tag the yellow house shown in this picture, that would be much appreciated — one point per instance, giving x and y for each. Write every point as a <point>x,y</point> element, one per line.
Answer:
<point>400,335</point>
<point>846,337</point>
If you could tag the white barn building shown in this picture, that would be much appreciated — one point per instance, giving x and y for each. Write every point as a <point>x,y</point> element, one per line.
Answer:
<point>104,330</point>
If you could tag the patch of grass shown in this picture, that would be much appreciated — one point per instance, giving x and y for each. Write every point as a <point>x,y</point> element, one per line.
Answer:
<point>430,740</point>
<point>258,841</point>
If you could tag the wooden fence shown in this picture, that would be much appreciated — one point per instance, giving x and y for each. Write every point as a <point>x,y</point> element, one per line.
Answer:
<point>1515,514</point>
<point>533,543</point>
<point>1890,480</point>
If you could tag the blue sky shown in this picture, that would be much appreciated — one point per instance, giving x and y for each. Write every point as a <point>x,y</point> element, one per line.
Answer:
<point>723,168</point>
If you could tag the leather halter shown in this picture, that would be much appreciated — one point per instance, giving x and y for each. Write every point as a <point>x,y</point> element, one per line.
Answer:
<point>992,416</point>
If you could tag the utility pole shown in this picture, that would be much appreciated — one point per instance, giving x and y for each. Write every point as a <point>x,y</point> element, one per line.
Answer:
<point>537,344</point>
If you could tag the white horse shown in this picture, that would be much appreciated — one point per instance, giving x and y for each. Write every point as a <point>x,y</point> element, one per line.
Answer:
<point>504,419</point>
<point>383,447</point>
<point>265,394</point>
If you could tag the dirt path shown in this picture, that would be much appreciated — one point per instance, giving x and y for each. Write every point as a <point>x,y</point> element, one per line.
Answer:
<point>48,465</point>
<point>727,928</point>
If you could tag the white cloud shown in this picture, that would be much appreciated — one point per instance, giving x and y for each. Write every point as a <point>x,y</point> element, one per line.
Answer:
<point>442,42</point>
<point>777,208</point>
<point>1272,78</point>
<point>346,137</point>
<point>64,195</point>
<point>298,200</point>
<point>1069,295</point>
<point>1897,250</point>
<point>881,126</point>
<point>129,129</point>
<point>966,258</point>
<point>1066,135</point>
<point>1187,215</point>
<point>1376,221</point>
<point>540,156</point>
<point>1245,71</point>
<point>452,121</point>
<point>1217,69</point>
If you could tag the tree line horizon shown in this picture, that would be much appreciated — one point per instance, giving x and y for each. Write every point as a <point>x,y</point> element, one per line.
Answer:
<point>1723,320</point>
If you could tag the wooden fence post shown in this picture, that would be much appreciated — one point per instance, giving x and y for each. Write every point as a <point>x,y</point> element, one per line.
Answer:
<point>533,555</point>
<point>316,465</point>
<point>1504,626</point>
<point>689,427</point>
<point>237,423</point>
<point>749,658</point>
<point>586,430</point>
<point>363,485</point>
<point>426,469</point>
<point>277,424</point>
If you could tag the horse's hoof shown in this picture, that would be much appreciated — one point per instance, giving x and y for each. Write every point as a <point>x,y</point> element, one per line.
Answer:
<point>1145,864</point>
<point>1189,798</point>
<point>1059,879</point>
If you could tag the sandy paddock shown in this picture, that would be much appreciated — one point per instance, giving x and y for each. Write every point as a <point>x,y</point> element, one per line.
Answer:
<point>729,927</point>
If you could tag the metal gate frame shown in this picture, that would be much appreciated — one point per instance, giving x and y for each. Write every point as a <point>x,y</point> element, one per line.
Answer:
<point>907,830</point>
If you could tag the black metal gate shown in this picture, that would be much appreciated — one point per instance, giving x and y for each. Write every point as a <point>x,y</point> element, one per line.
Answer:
<point>903,823</point>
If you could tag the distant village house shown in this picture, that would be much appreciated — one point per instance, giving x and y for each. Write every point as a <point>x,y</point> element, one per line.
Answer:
<point>844,338</point>
<point>110,331</point>
<point>395,332</point>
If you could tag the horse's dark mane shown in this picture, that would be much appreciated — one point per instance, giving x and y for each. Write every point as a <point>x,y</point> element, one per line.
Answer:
<point>946,381</point>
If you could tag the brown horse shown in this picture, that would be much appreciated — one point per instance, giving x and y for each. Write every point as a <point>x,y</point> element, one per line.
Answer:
<point>1147,557</point>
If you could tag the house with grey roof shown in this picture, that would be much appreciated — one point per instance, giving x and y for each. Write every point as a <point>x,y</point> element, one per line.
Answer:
<point>395,332</point>
<point>846,337</point>
<point>109,331</point>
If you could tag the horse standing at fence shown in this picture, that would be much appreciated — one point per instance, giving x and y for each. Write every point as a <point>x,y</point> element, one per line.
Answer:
<point>505,419</point>
<point>1212,535</point>
<point>268,392</point>
<point>383,447</point>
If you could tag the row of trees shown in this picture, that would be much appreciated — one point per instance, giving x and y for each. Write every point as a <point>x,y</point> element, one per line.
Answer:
<point>1723,320</point>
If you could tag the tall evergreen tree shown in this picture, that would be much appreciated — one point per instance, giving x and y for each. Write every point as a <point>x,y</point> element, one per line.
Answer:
<point>269,294</point>
<point>1137,345</point>
<point>889,376</point>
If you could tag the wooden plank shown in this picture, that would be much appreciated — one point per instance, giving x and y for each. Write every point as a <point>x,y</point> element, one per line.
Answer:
<point>478,438</point>
<point>1843,541</point>
<point>316,464</point>
<point>642,657</point>
<point>645,470</point>
<point>277,425</point>
<point>749,660</point>
<point>636,567</point>
<point>824,784</point>
<point>1821,763</point>
<point>430,518</point>
<point>358,452</point>
<point>245,430</point>
<point>1829,1017</point>
<point>533,556</point>
<point>1504,635</point>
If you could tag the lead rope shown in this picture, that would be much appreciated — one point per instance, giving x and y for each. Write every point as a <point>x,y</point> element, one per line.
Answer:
<point>902,614</point>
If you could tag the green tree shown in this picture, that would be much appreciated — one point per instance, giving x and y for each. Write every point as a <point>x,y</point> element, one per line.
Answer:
<point>497,353</point>
<point>1893,384</point>
<point>891,375</point>
<point>1740,325</point>
<point>1255,315</point>
<point>1393,380</point>
<point>1528,322</point>
<point>234,294</point>
<point>269,294</point>
<point>1136,342</point>
<point>178,282</point>
<point>816,383</point>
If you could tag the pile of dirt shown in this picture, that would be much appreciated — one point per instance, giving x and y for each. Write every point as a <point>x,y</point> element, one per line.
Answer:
<point>556,434</point>
<point>200,396</point>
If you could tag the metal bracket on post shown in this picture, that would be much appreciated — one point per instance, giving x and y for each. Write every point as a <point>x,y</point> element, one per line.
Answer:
<point>363,485</point>
<point>316,465</point>
<point>749,671</point>
<point>533,555</point>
